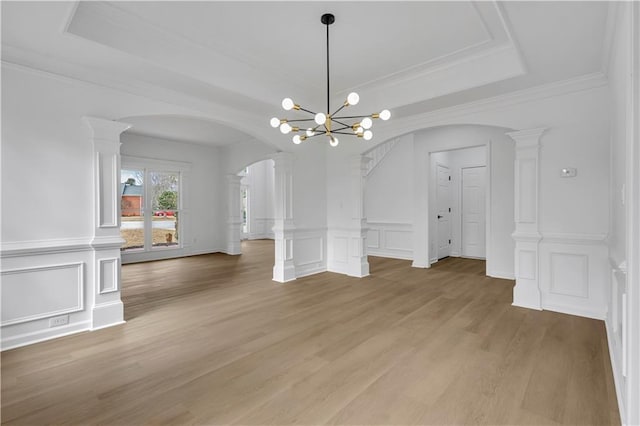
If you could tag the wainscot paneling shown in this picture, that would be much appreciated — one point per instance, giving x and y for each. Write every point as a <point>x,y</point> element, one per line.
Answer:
<point>47,288</point>
<point>63,283</point>
<point>261,228</point>
<point>345,250</point>
<point>617,325</point>
<point>574,274</point>
<point>389,239</point>
<point>310,251</point>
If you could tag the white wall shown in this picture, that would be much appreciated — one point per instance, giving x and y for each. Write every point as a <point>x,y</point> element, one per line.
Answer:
<point>48,260</point>
<point>621,305</point>
<point>389,203</point>
<point>259,181</point>
<point>202,194</point>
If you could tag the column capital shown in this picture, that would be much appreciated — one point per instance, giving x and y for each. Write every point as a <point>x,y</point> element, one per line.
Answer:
<point>359,164</point>
<point>233,179</point>
<point>105,129</point>
<point>528,137</point>
<point>283,159</point>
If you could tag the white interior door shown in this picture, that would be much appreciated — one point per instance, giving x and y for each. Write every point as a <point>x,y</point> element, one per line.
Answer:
<point>443,207</point>
<point>473,212</point>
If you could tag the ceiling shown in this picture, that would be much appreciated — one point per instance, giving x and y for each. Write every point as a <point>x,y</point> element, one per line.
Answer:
<point>244,57</point>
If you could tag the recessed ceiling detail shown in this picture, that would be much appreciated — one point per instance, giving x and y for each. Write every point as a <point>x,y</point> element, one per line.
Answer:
<point>242,46</point>
<point>185,129</point>
<point>233,61</point>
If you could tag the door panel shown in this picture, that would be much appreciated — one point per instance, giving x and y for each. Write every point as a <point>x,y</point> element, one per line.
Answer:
<point>443,205</point>
<point>473,212</point>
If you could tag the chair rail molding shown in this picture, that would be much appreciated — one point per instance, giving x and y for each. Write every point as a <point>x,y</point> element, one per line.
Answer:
<point>526,292</point>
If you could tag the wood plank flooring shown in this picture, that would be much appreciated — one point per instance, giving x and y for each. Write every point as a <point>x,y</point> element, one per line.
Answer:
<point>212,340</point>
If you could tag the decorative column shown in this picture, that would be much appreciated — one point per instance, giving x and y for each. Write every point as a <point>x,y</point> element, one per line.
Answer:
<point>283,229</point>
<point>234,215</point>
<point>526,293</point>
<point>358,261</point>
<point>104,296</point>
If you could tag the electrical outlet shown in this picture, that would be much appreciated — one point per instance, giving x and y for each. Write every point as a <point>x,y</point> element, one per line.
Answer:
<point>58,321</point>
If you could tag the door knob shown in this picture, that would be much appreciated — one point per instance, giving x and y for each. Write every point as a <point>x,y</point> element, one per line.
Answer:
<point>439,217</point>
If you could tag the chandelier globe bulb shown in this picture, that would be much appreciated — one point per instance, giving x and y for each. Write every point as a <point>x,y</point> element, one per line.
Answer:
<point>285,128</point>
<point>287,104</point>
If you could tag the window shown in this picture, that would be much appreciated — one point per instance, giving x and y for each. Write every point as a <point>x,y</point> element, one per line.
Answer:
<point>244,208</point>
<point>150,205</point>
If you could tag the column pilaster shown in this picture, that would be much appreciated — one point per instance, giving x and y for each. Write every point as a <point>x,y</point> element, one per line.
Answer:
<point>358,260</point>
<point>283,228</point>
<point>104,296</point>
<point>526,292</point>
<point>234,215</point>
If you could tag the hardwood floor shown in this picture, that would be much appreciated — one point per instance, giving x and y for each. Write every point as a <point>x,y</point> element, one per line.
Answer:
<point>212,340</point>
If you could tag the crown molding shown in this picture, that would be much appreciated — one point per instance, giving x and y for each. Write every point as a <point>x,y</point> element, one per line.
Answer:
<point>445,115</point>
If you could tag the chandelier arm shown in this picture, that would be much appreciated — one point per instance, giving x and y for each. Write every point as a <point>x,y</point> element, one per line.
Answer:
<point>317,134</point>
<point>343,133</point>
<point>338,110</point>
<point>300,119</point>
<point>306,110</point>
<point>351,116</point>
<point>346,126</point>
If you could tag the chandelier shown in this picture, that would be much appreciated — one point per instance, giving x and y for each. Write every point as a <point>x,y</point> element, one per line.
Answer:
<point>329,124</point>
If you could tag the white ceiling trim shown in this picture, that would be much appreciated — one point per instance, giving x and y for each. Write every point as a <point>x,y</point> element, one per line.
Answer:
<point>453,114</point>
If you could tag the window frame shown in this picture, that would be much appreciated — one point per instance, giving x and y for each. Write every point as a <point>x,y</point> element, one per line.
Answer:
<point>148,166</point>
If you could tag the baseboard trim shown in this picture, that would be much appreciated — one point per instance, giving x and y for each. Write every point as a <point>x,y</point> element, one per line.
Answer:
<point>44,335</point>
<point>502,275</point>
<point>301,271</point>
<point>390,255</point>
<point>574,310</point>
<point>614,370</point>
<point>522,305</point>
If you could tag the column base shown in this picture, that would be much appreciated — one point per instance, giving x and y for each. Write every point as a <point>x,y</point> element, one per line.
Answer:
<point>527,295</point>
<point>107,315</point>
<point>359,269</point>
<point>284,273</point>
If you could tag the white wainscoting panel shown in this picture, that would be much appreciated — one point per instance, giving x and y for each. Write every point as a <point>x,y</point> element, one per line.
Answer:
<point>526,265</point>
<point>310,251</point>
<point>41,280</point>
<point>107,168</point>
<point>575,274</point>
<point>35,293</point>
<point>389,239</point>
<point>109,271</point>
<point>261,228</point>
<point>338,250</point>
<point>569,274</point>
<point>617,325</point>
